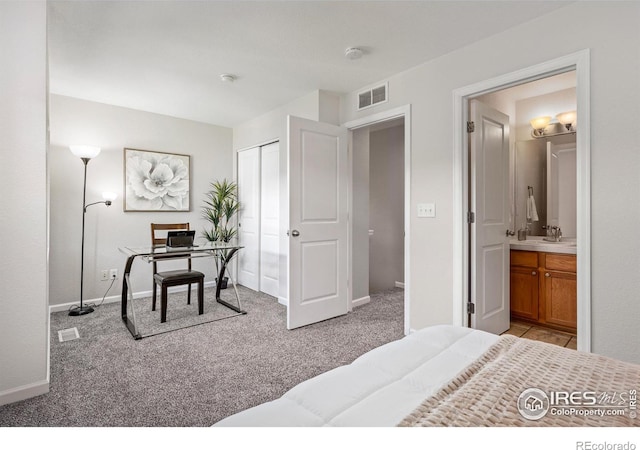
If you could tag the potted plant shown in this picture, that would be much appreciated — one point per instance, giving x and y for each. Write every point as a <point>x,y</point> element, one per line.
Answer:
<point>220,207</point>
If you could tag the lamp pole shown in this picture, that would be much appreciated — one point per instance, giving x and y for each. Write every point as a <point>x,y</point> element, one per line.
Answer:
<point>79,311</point>
<point>85,153</point>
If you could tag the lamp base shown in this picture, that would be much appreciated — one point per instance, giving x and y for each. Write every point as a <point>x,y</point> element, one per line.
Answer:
<point>80,310</point>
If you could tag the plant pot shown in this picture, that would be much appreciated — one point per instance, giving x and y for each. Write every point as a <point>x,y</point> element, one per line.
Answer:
<point>223,284</point>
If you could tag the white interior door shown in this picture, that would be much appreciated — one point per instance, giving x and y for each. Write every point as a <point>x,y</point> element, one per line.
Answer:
<point>489,161</point>
<point>318,228</point>
<point>249,218</point>
<point>270,219</point>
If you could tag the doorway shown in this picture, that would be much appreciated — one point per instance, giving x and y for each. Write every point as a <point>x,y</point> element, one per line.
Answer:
<point>540,195</point>
<point>390,132</point>
<point>580,63</point>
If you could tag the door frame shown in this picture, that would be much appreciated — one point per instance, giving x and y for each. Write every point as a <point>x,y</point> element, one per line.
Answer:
<point>580,62</point>
<point>395,113</point>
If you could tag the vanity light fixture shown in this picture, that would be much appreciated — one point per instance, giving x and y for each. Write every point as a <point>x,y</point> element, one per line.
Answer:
<point>543,127</point>
<point>567,119</point>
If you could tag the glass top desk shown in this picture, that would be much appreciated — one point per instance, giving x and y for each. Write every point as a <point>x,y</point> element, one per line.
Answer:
<point>222,250</point>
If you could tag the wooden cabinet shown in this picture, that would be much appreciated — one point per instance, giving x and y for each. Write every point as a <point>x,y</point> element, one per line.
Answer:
<point>543,289</point>
<point>559,289</point>
<point>524,285</point>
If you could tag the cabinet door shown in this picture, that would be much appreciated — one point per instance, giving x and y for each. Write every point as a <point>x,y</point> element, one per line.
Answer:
<point>524,293</point>
<point>560,297</point>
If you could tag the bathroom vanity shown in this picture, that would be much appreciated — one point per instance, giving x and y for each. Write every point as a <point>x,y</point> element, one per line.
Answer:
<point>543,283</point>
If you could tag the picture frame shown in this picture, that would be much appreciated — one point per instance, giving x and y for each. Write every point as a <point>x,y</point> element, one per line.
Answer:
<point>156,181</point>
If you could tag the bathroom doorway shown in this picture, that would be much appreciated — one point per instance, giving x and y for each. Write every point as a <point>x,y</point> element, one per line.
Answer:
<point>463,223</point>
<point>542,207</point>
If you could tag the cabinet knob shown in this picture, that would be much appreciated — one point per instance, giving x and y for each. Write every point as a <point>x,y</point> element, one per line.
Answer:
<point>534,273</point>
<point>547,274</point>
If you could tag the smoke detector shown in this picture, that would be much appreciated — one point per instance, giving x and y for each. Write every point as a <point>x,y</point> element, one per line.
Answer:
<point>227,78</point>
<point>353,53</point>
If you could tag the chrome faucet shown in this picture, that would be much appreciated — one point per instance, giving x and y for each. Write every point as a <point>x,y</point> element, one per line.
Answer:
<point>554,234</point>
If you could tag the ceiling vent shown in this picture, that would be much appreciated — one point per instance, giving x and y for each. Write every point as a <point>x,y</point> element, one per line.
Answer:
<point>68,335</point>
<point>373,96</point>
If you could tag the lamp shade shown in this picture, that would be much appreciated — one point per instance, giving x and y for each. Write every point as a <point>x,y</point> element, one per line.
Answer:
<point>85,151</point>
<point>539,123</point>
<point>109,196</point>
<point>567,118</point>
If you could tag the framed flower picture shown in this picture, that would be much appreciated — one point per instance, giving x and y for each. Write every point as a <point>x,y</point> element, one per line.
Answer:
<point>156,181</point>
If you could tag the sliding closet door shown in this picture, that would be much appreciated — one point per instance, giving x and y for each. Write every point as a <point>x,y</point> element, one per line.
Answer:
<point>249,218</point>
<point>270,220</point>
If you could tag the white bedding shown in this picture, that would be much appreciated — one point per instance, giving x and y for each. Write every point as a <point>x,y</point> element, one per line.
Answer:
<point>380,388</point>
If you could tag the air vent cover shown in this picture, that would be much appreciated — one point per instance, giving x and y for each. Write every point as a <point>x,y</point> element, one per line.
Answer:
<point>68,335</point>
<point>373,96</point>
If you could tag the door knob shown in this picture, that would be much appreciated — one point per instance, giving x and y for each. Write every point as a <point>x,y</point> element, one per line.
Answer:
<point>295,233</point>
<point>533,273</point>
<point>547,274</point>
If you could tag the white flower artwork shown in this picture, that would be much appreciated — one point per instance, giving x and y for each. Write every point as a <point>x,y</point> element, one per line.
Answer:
<point>156,181</point>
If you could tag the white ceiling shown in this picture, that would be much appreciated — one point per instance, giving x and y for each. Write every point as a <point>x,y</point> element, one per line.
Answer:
<point>166,56</point>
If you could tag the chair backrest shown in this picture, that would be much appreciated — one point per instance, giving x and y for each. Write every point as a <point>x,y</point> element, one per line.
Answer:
<point>164,228</point>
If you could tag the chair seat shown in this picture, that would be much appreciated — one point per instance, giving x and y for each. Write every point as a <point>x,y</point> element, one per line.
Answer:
<point>172,276</point>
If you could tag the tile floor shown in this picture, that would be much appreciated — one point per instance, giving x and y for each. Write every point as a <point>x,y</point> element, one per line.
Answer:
<point>537,333</point>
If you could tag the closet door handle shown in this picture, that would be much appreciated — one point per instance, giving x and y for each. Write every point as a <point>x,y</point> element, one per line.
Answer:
<point>534,273</point>
<point>547,274</point>
<point>295,233</point>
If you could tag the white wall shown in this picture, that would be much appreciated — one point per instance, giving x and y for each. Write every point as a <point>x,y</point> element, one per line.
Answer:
<point>609,30</point>
<point>24,318</point>
<point>360,213</point>
<point>113,128</point>
<point>386,209</point>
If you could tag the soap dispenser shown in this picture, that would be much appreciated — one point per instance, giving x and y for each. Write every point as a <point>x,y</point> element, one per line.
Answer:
<point>522,233</point>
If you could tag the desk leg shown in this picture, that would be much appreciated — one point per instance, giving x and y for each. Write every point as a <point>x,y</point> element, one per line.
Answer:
<point>127,295</point>
<point>223,269</point>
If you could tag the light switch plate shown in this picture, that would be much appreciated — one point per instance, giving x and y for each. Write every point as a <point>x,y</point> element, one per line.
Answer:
<point>426,209</point>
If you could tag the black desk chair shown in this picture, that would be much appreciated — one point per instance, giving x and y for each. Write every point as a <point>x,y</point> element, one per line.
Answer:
<point>173,277</point>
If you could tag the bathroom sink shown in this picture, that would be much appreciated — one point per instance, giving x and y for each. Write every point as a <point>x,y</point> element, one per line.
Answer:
<point>567,243</point>
<point>540,245</point>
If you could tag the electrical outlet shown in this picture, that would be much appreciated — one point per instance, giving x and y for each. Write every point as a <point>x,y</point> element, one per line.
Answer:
<point>113,273</point>
<point>105,275</point>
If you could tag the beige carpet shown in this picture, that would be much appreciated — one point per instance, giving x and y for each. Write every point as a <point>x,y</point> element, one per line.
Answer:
<point>197,375</point>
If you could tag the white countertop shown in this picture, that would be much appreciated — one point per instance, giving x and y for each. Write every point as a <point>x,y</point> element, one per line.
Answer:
<point>537,244</point>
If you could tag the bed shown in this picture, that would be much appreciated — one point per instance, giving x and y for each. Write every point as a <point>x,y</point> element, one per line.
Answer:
<point>455,376</point>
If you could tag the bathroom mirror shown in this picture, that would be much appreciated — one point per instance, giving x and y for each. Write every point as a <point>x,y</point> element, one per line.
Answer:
<point>546,169</point>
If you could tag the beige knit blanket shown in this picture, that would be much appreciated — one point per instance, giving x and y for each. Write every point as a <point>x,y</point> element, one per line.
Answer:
<point>486,393</point>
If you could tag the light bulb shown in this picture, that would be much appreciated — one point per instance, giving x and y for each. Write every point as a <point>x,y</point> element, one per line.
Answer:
<point>540,123</point>
<point>109,196</point>
<point>567,118</point>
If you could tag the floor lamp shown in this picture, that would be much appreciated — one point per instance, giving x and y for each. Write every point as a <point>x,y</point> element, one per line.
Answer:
<point>85,153</point>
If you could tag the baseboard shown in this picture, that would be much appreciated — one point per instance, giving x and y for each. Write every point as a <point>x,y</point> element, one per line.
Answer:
<point>400,284</point>
<point>283,301</point>
<point>24,392</point>
<point>360,301</point>
<point>117,298</point>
